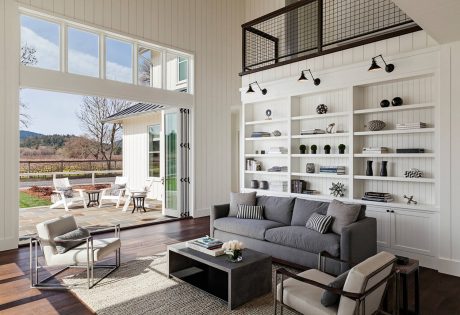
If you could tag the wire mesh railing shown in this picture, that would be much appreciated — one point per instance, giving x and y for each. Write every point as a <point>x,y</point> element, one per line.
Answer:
<point>309,28</point>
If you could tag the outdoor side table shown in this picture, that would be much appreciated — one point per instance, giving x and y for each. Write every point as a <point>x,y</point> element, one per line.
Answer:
<point>138,203</point>
<point>412,267</point>
<point>93,197</point>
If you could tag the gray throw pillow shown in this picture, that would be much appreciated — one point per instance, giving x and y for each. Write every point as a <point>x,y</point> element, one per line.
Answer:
<point>250,212</point>
<point>343,214</point>
<point>329,298</point>
<point>68,191</point>
<point>236,199</point>
<point>116,189</point>
<point>62,246</point>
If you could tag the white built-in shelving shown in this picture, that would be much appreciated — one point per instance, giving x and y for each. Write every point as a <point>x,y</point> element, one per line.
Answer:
<point>323,175</point>
<point>394,155</point>
<point>393,132</point>
<point>393,108</point>
<point>395,179</point>
<point>316,116</point>
<point>320,156</point>
<point>266,121</point>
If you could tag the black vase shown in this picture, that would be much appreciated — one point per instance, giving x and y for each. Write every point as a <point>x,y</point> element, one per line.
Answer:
<point>327,151</point>
<point>397,101</point>
<point>302,151</point>
<point>384,103</point>
<point>369,171</point>
<point>254,184</point>
<point>383,169</point>
<point>263,184</point>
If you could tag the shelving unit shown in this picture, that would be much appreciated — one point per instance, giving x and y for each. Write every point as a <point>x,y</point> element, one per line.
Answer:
<point>349,108</point>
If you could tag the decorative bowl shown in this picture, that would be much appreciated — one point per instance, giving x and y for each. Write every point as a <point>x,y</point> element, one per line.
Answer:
<point>385,103</point>
<point>276,133</point>
<point>397,101</point>
<point>375,125</point>
<point>321,109</point>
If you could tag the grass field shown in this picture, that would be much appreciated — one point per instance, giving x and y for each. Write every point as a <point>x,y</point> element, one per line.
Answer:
<point>28,201</point>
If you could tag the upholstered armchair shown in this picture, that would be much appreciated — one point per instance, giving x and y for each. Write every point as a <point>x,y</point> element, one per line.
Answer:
<point>362,292</point>
<point>85,255</point>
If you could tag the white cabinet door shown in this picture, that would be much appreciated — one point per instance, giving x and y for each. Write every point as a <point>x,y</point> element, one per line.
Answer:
<point>383,224</point>
<point>412,231</point>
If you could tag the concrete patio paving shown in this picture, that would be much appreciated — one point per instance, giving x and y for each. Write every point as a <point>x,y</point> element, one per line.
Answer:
<point>91,217</point>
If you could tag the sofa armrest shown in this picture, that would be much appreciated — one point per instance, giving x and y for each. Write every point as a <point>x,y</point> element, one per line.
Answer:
<point>217,211</point>
<point>358,242</point>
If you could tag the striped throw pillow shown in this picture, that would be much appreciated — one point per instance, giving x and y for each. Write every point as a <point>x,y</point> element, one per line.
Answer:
<point>319,222</point>
<point>250,212</point>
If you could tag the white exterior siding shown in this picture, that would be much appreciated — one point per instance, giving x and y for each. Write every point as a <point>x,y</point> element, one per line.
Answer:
<point>135,151</point>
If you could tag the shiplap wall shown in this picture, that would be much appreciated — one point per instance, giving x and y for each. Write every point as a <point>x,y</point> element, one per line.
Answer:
<point>208,28</point>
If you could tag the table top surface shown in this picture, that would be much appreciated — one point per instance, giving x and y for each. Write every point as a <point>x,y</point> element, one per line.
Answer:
<point>410,267</point>
<point>90,191</point>
<point>221,262</point>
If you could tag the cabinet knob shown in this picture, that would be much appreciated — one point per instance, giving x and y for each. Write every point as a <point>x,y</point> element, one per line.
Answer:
<point>388,210</point>
<point>392,211</point>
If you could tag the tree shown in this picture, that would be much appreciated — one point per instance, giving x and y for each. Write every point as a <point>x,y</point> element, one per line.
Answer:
<point>93,111</point>
<point>80,148</point>
<point>28,57</point>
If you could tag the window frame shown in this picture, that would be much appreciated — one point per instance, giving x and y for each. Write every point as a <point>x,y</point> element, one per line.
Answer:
<point>66,61</point>
<point>151,139</point>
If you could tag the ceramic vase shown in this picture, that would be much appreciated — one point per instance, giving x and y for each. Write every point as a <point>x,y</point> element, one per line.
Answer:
<point>383,169</point>
<point>369,171</point>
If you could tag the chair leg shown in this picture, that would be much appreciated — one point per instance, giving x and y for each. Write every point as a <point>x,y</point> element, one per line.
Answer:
<point>66,207</point>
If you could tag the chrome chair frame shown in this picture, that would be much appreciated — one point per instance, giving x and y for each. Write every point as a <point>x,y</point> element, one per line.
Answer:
<point>34,265</point>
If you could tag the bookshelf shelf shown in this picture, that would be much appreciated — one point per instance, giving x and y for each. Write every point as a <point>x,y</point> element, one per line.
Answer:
<point>395,179</point>
<point>393,108</point>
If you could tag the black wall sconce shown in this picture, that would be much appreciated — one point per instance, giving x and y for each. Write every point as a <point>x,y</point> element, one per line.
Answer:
<point>374,66</point>
<point>316,81</point>
<point>251,90</point>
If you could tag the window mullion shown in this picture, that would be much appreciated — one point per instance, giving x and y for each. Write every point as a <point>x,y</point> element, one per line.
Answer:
<point>63,45</point>
<point>135,75</point>
<point>102,55</point>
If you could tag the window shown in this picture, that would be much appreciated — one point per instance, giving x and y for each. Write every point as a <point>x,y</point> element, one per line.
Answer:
<point>83,52</point>
<point>40,43</point>
<point>149,67</point>
<point>154,150</point>
<point>177,73</point>
<point>119,60</point>
<point>183,69</point>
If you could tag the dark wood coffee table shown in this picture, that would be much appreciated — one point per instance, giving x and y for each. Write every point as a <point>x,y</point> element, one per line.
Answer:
<point>235,283</point>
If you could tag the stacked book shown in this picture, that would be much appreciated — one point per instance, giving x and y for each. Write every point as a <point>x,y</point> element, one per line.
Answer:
<point>312,132</point>
<point>298,186</point>
<point>375,150</point>
<point>253,165</point>
<point>411,150</point>
<point>278,169</point>
<point>310,192</point>
<point>207,245</point>
<point>260,134</point>
<point>339,170</point>
<point>277,150</point>
<point>377,196</point>
<point>281,186</point>
<point>412,125</point>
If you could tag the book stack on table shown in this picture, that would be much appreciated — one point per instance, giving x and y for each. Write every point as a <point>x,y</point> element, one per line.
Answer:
<point>377,196</point>
<point>207,245</point>
<point>339,170</point>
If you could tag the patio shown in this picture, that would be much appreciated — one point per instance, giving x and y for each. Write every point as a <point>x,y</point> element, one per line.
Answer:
<point>90,217</point>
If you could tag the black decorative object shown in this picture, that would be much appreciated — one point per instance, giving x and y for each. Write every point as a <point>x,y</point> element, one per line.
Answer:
<point>254,184</point>
<point>251,90</point>
<point>263,184</point>
<point>327,149</point>
<point>302,148</point>
<point>337,189</point>
<point>331,128</point>
<point>410,200</point>
<point>302,77</point>
<point>342,148</point>
<point>374,66</point>
<point>321,109</point>
<point>383,169</point>
<point>397,101</point>
<point>413,173</point>
<point>384,103</point>
<point>375,125</point>
<point>369,171</point>
<point>313,149</point>
<point>276,133</point>
<point>262,151</point>
<point>268,112</point>
<point>310,168</point>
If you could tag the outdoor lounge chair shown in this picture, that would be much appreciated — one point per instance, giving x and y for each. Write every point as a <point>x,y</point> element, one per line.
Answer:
<point>86,255</point>
<point>66,194</point>
<point>116,191</point>
<point>138,192</point>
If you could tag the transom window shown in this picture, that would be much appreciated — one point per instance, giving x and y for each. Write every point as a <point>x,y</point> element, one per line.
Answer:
<point>101,54</point>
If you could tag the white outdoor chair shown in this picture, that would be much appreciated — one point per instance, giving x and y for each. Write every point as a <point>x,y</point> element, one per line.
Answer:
<point>85,255</point>
<point>361,295</point>
<point>114,194</point>
<point>66,200</point>
<point>138,192</point>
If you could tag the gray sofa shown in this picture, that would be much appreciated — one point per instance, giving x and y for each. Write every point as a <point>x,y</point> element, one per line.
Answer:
<point>283,234</point>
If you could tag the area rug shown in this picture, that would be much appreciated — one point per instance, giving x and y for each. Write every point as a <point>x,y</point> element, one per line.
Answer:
<point>142,287</point>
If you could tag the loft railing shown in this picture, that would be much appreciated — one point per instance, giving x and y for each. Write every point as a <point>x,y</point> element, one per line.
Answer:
<point>310,28</point>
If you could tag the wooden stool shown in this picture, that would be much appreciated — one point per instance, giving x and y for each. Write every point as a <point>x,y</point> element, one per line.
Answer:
<point>404,271</point>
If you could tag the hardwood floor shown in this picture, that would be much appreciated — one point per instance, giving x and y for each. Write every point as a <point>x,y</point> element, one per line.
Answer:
<point>439,292</point>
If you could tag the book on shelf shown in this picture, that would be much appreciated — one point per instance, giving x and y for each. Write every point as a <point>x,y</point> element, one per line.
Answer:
<point>278,169</point>
<point>281,186</point>
<point>259,134</point>
<point>277,150</point>
<point>339,170</point>
<point>212,252</point>
<point>375,150</point>
<point>312,132</point>
<point>310,192</point>
<point>412,125</point>
<point>253,165</point>
<point>412,150</point>
<point>377,196</point>
<point>298,186</point>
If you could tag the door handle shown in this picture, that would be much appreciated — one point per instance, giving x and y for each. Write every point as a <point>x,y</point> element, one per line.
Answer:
<point>162,180</point>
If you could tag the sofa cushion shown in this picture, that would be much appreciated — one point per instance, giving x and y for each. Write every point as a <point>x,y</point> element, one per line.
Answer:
<point>278,209</point>
<point>245,227</point>
<point>344,214</point>
<point>305,239</point>
<point>241,199</point>
<point>304,208</point>
<point>329,298</point>
<point>250,212</point>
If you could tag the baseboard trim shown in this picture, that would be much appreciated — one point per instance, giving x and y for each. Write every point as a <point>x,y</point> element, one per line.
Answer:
<point>449,266</point>
<point>199,213</point>
<point>9,243</point>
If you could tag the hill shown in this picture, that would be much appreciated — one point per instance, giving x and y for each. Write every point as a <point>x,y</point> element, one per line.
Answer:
<point>24,134</point>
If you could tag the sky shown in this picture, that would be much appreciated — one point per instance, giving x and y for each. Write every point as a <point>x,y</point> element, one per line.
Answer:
<point>55,113</point>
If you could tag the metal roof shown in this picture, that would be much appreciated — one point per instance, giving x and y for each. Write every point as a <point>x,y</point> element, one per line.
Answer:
<point>133,111</point>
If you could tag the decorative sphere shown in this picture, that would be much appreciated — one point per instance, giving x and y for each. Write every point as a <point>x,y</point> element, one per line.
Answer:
<point>321,109</point>
<point>384,103</point>
<point>268,112</point>
<point>397,101</point>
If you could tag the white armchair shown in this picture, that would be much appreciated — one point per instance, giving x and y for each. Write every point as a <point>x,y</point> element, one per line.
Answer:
<point>86,255</point>
<point>138,192</point>
<point>362,293</point>
<point>67,196</point>
<point>116,192</point>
